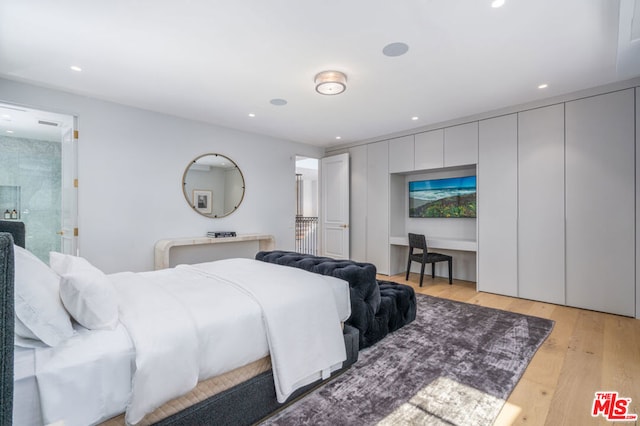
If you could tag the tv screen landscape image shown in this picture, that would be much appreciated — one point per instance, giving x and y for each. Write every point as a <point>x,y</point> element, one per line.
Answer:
<point>450,197</point>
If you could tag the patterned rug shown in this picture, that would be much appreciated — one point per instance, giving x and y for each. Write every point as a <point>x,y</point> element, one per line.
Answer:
<point>456,364</point>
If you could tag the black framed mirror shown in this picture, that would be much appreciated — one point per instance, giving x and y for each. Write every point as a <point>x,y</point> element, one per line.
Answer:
<point>213,185</point>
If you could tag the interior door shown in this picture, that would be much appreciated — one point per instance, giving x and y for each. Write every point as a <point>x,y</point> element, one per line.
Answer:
<point>69,211</point>
<point>335,206</point>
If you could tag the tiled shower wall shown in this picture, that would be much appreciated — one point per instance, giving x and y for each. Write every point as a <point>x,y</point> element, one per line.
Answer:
<point>35,167</point>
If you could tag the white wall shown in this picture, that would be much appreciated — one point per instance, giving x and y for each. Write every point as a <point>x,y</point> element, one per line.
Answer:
<point>130,167</point>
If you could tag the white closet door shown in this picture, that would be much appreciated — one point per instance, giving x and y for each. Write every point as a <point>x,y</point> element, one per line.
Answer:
<point>541,266</point>
<point>600,203</point>
<point>378,205</point>
<point>498,205</point>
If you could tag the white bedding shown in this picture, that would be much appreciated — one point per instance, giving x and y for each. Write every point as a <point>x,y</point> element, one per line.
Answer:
<point>84,381</point>
<point>224,335</point>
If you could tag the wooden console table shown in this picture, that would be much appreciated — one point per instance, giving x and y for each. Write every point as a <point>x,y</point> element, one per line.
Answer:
<point>163,247</point>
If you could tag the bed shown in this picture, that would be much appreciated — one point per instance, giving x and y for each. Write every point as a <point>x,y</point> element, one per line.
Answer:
<point>151,364</point>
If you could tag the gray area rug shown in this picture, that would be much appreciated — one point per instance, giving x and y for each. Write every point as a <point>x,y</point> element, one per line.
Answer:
<point>456,364</point>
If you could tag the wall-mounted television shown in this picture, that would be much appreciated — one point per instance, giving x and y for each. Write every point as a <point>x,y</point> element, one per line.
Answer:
<point>450,197</point>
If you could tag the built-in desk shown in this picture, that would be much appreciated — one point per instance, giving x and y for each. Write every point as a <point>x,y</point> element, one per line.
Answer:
<point>163,247</point>
<point>464,261</point>
<point>440,243</point>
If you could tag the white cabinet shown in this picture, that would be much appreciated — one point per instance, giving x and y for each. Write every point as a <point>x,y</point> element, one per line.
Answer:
<point>358,203</point>
<point>541,265</point>
<point>600,203</point>
<point>429,150</point>
<point>461,145</point>
<point>401,152</point>
<point>498,205</point>
<point>378,205</point>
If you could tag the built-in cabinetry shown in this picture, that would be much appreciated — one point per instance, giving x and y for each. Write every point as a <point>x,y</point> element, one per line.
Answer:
<point>448,147</point>
<point>558,200</point>
<point>429,150</point>
<point>461,144</point>
<point>600,203</point>
<point>541,246</point>
<point>377,218</point>
<point>498,205</point>
<point>358,203</point>
<point>401,152</point>
<point>556,204</point>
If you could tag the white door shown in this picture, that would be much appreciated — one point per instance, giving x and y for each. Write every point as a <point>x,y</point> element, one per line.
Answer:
<point>69,211</point>
<point>335,206</point>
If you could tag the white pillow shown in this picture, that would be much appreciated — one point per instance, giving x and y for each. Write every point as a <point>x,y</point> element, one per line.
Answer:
<point>86,292</point>
<point>37,300</point>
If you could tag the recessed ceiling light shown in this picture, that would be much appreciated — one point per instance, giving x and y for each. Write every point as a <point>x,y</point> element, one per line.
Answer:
<point>497,3</point>
<point>338,137</point>
<point>75,68</point>
<point>251,115</point>
<point>543,86</point>
<point>414,118</point>
<point>9,131</point>
<point>395,49</point>
<point>278,102</point>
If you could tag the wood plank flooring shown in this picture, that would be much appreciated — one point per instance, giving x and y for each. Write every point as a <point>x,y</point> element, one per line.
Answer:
<point>586,352</point>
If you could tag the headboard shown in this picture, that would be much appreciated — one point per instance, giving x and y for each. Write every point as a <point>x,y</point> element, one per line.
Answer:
<point>16,229</point>
<point>10,232</point>
<point>6,327</point>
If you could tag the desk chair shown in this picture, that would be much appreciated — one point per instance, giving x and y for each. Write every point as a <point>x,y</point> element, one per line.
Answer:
<point>418,241</point>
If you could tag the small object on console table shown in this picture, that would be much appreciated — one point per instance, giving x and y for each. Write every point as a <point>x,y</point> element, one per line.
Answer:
<point>221,234</point>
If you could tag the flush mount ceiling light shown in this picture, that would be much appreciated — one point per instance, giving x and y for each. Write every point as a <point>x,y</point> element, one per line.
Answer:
<point>330,82</point>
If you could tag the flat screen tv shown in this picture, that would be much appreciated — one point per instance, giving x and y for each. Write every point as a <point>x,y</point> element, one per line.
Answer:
<point>450,197</point>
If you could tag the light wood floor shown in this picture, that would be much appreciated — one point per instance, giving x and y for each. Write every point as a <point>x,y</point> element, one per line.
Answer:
<point>586,352</point>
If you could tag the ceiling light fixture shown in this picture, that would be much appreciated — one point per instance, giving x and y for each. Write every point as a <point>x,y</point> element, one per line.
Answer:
<point>75,68</point>
<point>414,118</point>
<point>330,82</point>
<point>543,86</point>
<point>497,3</point>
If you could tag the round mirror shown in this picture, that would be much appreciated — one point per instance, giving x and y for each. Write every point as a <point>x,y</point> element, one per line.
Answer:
<point>213,185</point>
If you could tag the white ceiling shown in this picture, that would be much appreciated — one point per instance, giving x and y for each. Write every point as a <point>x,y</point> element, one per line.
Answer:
<point>219,61</point>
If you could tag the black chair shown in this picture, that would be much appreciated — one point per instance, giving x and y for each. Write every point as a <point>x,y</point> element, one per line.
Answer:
<point>418,241</point>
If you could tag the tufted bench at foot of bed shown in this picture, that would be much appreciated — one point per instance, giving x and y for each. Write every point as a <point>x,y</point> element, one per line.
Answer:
<point>402,303</point>
<point>377,307</point>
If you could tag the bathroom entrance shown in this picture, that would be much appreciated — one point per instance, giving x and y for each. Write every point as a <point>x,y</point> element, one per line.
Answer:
<point>38,184</point>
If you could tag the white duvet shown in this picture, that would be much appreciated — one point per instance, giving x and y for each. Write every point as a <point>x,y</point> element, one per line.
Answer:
<point>195,322</point>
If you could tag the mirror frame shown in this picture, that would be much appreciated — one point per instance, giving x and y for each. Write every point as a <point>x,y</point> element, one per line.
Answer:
<point>188,198</point>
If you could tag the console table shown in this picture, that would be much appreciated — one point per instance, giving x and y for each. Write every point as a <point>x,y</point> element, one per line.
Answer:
<point>163,247</point>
